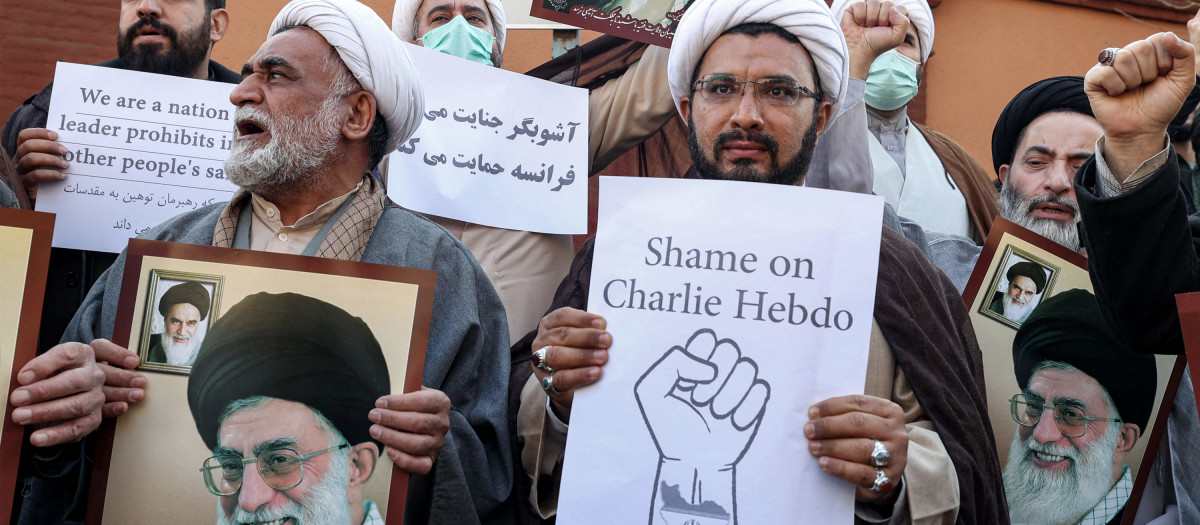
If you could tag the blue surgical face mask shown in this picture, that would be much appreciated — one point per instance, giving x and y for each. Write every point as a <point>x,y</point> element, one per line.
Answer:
<point>892,81</point>
<point>460,39</point>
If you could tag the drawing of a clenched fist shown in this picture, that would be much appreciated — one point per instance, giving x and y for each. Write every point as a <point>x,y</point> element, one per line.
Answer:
<point>703,404</point>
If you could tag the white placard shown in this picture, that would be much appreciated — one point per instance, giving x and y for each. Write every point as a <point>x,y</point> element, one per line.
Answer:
<point>748,300</point>
<point>495,148</point>
<point>142,148</point>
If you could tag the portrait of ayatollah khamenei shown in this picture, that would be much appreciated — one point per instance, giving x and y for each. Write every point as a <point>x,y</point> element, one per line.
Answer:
<point>276,400</point>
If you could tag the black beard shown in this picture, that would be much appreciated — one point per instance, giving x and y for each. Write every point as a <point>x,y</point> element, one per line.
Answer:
<point>789,174</point>
<point>182,60</point>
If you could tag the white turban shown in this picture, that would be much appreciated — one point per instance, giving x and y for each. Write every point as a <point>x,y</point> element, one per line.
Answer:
<point>918,12</point>
<point>809,20</point>
<point>372,53</point>
<point>404,17</point>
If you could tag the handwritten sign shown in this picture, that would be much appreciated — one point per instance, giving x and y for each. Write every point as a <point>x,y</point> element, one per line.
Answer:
<point>724,333</point>
<point>142,148</point>
<point>495,148</point>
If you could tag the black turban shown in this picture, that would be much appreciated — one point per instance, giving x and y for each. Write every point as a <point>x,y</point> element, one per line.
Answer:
<point>1030,270</point>
<point>190,293</point>
<point>291,347</point>
<point>1069,328</point>
<point>1044,96</point>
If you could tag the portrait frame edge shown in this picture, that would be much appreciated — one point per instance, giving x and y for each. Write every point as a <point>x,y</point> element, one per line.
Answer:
<point>143,352</point>
<point>1009,252</point>
<point>991,245</point>
<point>138,249</point>
<point>12,435</point>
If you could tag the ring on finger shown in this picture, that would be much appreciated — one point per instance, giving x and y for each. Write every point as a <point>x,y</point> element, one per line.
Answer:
<point>548,386</point>
<point>1108,56</point>
<point>879,454</point>
<point>882,482</point>
<point>539,359</point>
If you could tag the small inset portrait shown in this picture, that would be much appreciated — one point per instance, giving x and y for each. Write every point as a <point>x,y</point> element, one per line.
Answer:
<point>179,309</point>
<point>1018,286</point>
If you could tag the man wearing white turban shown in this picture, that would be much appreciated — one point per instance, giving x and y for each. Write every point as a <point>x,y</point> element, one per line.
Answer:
<point>325,97</point>
<point>927,177</point>
<point>936,430</point>
<point>525,266</point>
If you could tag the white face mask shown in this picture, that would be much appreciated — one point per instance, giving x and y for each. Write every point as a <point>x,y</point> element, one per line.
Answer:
<point>460,39</point>
<point>892,81</point>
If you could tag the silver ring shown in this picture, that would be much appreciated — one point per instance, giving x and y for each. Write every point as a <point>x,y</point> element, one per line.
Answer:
<point>879,454</point>
<point>1108,56</point>
<point>882,482</point>
<point>539,359</point>
<point>548,386</point>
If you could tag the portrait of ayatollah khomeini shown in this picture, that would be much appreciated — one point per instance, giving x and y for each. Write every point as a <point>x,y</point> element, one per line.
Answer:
<point>183,307</point>
<point>1084,401</point>
<point>280,394</point>
<point>1026,280</point>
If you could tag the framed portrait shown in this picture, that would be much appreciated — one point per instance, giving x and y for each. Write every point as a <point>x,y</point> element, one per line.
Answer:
<point>24,259</point>
<point>182,307</point>
<point>1146,379</point>
<point>649,21</point>
<point>1018,285</point>
<point>1189,320</point>
<point>292,355</point>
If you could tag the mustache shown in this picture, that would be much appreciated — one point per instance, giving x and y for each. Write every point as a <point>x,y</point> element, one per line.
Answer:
<point>1049,198</point>
<point>732,135</point>
<point>142,23</point>
<point>1032,446</point>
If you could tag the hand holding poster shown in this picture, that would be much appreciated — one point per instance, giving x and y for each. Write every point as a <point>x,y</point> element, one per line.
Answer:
<point>142,148</point>
<point>724,332</point>
<point>501,149</point>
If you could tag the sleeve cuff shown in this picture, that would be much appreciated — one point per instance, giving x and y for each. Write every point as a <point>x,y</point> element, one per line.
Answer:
<point>1109,186</point>
<point>556,430</point>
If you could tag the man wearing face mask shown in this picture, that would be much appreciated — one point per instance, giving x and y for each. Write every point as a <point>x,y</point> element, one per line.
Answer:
<point>927,177</point>
<point>525,267</point>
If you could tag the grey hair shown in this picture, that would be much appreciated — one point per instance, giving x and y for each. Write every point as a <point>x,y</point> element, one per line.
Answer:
<point>323,423</point>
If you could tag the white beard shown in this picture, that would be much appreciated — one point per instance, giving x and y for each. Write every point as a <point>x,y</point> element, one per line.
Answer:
<point>327,502</point>
<point>1036,495</point>
<point>1016,312</point>
<point>180,353</point>
<point>298,146</point>
<point>1017,208</point>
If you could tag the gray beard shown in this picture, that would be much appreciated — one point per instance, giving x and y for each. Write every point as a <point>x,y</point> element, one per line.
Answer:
<point>1017,208</point>
<point>1016,312</point>
<point>327,503</point>
<point>298,147</point>
<point>179,353</point>
<point>1039,496</point>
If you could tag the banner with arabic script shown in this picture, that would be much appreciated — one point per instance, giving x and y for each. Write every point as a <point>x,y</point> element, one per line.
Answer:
<point>141,148</point>
<point>495,148</point>
<point>649,21</point>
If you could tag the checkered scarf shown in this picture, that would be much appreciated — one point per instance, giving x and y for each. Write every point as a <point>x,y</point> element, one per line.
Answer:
<point>346,240</point>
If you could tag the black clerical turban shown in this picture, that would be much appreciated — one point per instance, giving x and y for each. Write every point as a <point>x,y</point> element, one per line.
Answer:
<point>190,293</point>
<point>291,347</point>
<point>1043,96</point>
<point>1069,328</point>
<point>1030,270</point>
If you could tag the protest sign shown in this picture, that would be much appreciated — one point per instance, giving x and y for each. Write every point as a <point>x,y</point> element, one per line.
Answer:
<point>142,148</point>
<point>24,259</point>
<point>733,308</point>
<point>378,319</point>
<point>1017,262</point>
<point>495,148</point>
<point>649,21</point>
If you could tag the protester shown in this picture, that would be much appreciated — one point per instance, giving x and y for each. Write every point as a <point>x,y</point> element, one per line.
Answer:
<point>1043,135</point>
<point>1129,186</point>
<point>927,177</point>
<point>245,406</point>
<point>325,97</point>
<point>169,38</point>
<point>525,266</point>
<point>1084,401</point>
<point>949,473</point>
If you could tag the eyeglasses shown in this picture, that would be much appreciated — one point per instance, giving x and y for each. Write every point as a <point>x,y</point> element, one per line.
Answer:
<point>281,469</point>
<point>719,87</point>
<point>1071,420</point>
